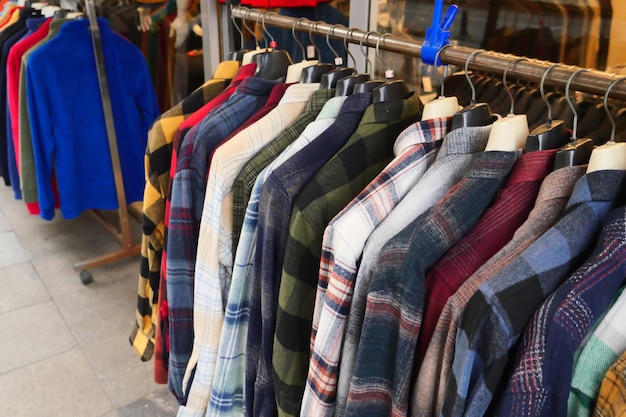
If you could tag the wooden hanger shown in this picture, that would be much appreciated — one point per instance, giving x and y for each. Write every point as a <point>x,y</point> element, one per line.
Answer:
<point>247,57</point>
<point>442,106</point>
<point>294,72</point>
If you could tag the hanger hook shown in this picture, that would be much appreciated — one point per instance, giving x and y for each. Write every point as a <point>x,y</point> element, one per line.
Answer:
<point>232,17</point>
<point>364,52</point>
<point>469,80</point>
<point>256,24</point>
<point>349,32</point>
<point>245,18</point>
<point>295,38</point>
<point>332,29</point>
<point>317,49</point>
<point>506,87</point>
<point>388,70</point>
<point>569,101</point>
<point>272,40</point>
<point>442,78</point>
<point>543,92</point>
<point>608,111</point>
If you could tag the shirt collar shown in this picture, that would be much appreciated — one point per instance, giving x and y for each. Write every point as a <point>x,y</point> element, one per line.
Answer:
<point>276,95</point>
<point>597,186</point>
<point>532,166</point>
<point>492,164</point>
<point>356,103</point>
<point>299,93</point>
<point>255,86</point>
<point>614,225</point>
<point>465,140</point>
<point>391,111</point>
<point>422,132</point>
<point>244,72</point>
<point>331,108</point>
<point>35,23</point>
<point>560,183</point>
<point>318,99</point>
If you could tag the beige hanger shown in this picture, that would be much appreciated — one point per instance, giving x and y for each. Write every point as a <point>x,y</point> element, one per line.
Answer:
<point>442,106</point>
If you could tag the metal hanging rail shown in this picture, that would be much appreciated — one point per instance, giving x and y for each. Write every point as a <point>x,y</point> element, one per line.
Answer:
<point>593,82</point>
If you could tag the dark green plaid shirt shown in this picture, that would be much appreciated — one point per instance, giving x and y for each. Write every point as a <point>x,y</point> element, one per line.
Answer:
<point>363,157</point>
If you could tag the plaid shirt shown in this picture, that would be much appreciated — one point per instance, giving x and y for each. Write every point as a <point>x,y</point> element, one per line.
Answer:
<point>432,380</point>
<point>380,384</point>
<point>543,370</point>
<point>365,155</point>
<point>605,346</point>
<point>228,388</point>
<point>494,230</point>
<point>501,307</point>
<point>275,204</point>
<point>612,396</point>
<point>457,151</point>
<point>157,166</point>
<point>188,189</point>
<point>343,242</point>
<point>242,188</point>
<point>214,259</point>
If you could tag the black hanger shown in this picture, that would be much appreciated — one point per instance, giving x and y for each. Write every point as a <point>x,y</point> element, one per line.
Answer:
<point>551,135</point>
<point>273,64</point>
<point>330,79</point>
<point>475,114</point>
<point>391,90</point>
<point>237,55</point>
<point>313,74</point>
<point>578,151</point>
<point>367,86</point>
<point>345,86</point>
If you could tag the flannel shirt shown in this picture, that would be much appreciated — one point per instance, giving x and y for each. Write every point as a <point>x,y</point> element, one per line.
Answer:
<point>542,375</point>
<point>496,314</point>
<point>188,194</point>
<point>457,151</point>
<point>432,380</point>
<point>365,155</point>
<point>242,188</point>
<point>612,396</point>
<point>275,203</point>
<point>606,345</point>
<point>214,255</point>
<point>228,387</point>
<point>344,238</point>
<point>157,166</point>
<point>380,384</point>
<point>494,230</point>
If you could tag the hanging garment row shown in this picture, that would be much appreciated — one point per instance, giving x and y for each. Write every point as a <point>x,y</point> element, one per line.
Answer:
<point>54,150</point>
<point>334,247</point>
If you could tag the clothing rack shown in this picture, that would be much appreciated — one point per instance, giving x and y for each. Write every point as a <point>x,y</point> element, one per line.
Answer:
<point>122,234</point>
<point>593,82</point>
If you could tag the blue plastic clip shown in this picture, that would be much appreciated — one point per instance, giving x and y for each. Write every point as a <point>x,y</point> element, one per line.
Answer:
<point>438,34</point>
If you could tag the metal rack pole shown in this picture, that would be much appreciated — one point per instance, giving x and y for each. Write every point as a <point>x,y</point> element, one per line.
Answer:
<point>124,236</point>
<point>594,82</point>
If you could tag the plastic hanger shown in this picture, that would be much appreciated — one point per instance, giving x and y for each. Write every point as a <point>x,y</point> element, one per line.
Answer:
<point>442,106</point>
<point>247,57</point>
<point>475,114</point>
<point>611,155</point>
<point>391,90</point>
<point>313,74</point>
<point>551,135</point>
<point>345,86</point>
<point>238,54</point>
<point>367,86</point>
<point>294,72</point>
<point>510,132</point>
<point>273,63</point>
<point>578,151</point>
<point>330,79</point>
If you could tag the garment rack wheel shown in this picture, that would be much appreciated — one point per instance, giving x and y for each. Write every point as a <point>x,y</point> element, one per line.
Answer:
<point>85,277</point>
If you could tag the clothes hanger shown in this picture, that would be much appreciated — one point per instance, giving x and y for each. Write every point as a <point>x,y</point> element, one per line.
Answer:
<point>578,151</point>
<point>272,64</point>
<point>475,114</point>
<point>367,86</point>
<point>442,106</point>
<point>313,74</point>
<point>391,90</point>
<point>509,133</point>
<point>247,57</point>
<point>345,86</point>
<point>294,72</point>
<point>611,155</point>
<point>238,54</point>
<point>551,135</point>
<point>329,80</point>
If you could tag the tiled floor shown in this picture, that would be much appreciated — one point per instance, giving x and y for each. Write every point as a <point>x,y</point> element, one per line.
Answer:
<point>64,347</point>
